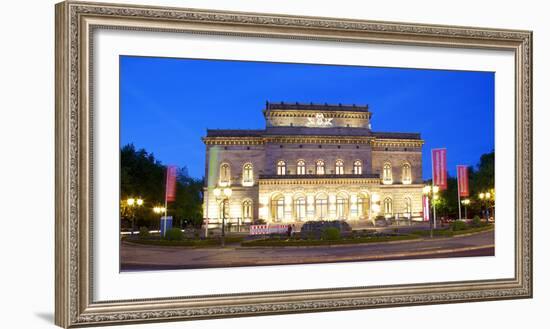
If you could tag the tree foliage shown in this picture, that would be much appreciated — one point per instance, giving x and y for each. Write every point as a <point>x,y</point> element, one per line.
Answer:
<point>481,178</point>
<point>142,176</point>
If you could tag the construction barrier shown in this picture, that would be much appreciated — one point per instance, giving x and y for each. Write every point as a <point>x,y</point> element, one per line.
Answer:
<point>268,229</point>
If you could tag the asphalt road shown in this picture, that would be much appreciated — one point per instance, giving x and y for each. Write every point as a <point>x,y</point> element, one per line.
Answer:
<point>135,257</point>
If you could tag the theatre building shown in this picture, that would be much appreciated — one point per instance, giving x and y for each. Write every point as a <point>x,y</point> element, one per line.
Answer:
<point>313,162</point>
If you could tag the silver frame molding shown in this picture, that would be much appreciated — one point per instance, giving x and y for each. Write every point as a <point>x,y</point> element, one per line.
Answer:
<point>75,24</point>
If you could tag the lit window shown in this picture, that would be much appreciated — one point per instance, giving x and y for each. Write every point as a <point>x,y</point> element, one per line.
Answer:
<point>320,167</point>
<point>281,168</point>
<point>224,209</point>
<point>386,173</point>
<point>357,167</point>
<point>248,175</point>
<point>388,207</point>
<point>247,209</point>
<point>339,167</point>
<point>278,208</point>
<point>301,167</point>
<point>300,210</point>
<point>225,175</point>
<point>362,206</point>
<point>341,207</point>
<point>406,174</point>
<point>321,206</point>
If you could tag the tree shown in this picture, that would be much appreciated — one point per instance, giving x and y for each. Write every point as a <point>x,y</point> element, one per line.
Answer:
<point>480,178</point>
<point>141,175</point>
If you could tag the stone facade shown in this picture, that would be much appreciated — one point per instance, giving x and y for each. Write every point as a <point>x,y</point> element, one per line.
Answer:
<point>313,162</point>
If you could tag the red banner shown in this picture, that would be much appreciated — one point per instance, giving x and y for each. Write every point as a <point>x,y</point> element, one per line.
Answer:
<point>171,172</point>
<point>462,178</point>
<point>439,168</point>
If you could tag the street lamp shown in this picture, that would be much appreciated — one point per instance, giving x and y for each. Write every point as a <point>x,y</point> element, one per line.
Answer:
<point>133,202</point>
<point>485,198</point>
<point>223,195</point>
<point>158,210</point>
<point>431,192</point>
<point>465,202</point>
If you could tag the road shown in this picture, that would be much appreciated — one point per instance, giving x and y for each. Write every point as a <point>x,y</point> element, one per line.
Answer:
<point>135,257</point>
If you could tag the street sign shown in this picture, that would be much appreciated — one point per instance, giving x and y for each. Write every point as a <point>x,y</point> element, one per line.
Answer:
<point>165,224</point>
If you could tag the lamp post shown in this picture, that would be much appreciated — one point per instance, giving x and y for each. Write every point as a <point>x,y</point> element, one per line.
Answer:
<point>431,192</point>
<point>223,195</point>
<point>132,203</point>
<point>485,198</point>
<point>465,202</point>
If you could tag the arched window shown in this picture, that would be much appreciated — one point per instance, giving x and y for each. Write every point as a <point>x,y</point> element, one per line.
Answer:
<point>357,167</point>
<point>225,174</point>
<point>362,206</point>
<point>248,175</point>
<point>408,206</point>
<point>320,167</point>
<point>388,209</point>
<point>341,207</point>
<point>339,167</point>
<point>224,209</point>
<point>280,209</point>
<point>247,209</point>
<point>300,208</point>
<point>301,167</point>
<point>281,168</point>
<point>386,173</point>
<point>321,206</point>
<point>406,173</point>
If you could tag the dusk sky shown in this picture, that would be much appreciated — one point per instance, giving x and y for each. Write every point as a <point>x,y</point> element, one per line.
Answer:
<point>167,104</point>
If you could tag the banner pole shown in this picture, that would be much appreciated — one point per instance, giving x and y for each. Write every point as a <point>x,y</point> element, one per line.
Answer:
<point>433,221</point>
<point>165,203</point>
<point>458,192</point>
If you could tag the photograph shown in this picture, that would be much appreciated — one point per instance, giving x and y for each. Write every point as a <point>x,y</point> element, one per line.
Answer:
<point>227,163</point>
<point>215,162</point>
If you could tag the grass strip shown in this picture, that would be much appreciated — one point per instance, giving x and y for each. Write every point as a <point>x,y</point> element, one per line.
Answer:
<point>297,243</point>
<point>450,233</point>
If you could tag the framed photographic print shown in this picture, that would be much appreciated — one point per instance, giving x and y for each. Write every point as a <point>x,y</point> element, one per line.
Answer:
<point>218,164</point>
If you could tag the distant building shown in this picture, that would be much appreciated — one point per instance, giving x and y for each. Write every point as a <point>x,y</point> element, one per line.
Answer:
<point>313,162</point>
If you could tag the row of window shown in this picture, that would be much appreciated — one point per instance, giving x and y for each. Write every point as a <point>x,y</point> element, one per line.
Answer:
<point>387,175</point>
<point>248,174</point>
<point>320,167</point>
<point>321,207</point>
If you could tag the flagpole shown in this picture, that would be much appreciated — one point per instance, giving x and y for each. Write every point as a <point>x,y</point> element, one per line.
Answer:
<point>433,205</point>
<point>458,192</point>
<point>434,224</point>
<point>165,202</point>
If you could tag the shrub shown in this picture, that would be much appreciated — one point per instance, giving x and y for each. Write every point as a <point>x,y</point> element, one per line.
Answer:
<point>143,232</point>
<point>331,233</point>
<point>458,225</point>
<point>476,222</point>
<point>174,234</point>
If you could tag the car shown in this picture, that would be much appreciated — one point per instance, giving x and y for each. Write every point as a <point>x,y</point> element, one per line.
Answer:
<point>447,220</point>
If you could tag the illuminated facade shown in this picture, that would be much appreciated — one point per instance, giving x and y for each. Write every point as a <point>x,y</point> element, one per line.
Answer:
<point>313,162</point>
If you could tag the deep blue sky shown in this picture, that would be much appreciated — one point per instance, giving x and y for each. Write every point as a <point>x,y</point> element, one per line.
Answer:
<point>167,104</point>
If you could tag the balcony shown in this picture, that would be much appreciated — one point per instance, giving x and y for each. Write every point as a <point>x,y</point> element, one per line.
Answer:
<point>316,176</point>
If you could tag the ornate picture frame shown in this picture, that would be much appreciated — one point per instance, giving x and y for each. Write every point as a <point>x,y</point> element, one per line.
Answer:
<point>76,23</point>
